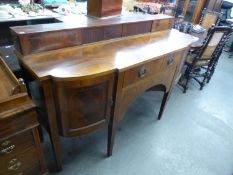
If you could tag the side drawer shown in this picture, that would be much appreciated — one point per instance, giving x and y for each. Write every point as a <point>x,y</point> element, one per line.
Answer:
<point>169,61</point>
<point>141,72</point>
<point>24,163</point>
<point>16,144</point>
<point>37,42</point>
<point>21,121</point>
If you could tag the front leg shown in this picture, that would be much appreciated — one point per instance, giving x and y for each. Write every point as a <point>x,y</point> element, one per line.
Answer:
<point>111,138</point>
<point>163,104</point>
<point>53,129</point>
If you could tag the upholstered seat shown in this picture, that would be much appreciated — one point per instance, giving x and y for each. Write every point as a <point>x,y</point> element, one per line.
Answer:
<point>190,59</point>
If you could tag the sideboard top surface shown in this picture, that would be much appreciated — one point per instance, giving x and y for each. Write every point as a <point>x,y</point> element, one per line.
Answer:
<point>82,21</point>
<point>106,56</point>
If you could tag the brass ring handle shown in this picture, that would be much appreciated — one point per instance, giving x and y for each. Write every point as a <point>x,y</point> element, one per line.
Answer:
<point>14,165</point>
<point>7,150</point>
<point>142,72</point>
<point>170,61</point>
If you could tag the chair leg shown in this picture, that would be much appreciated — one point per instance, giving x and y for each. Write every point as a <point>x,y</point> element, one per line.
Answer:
<point>202,84</point>
<point>187,77</point>
<point>186,85</point>
<point>211,73</point>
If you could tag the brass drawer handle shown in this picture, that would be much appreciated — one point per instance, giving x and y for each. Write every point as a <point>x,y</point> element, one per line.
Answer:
<point>142,72</point>
<point>14,165</point>
<point>170,61</point>
<point>7,150</point>
<point>6,143</point>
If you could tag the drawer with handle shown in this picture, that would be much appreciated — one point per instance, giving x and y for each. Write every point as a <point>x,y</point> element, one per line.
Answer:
<point>141,72</point>
<point>24,163</point>
<point>168,62</point>
<point>149,69</point>
<point>16,144</point>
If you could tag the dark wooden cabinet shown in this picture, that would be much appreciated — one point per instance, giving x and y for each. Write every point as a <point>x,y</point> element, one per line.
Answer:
<point>103,8</point>
<point>20,147</point>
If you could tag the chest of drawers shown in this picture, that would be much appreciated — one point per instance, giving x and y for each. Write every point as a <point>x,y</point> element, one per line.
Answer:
<point>20,148</point>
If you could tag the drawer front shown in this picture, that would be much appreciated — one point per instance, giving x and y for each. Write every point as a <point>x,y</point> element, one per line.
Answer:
<point>35,43</point>
<point>94,34</point>
<point>169,61</point>
<point>149,69</point>
<point>159,25</point>
<point>136,28</point>
<point>24,163</point>
<point>19,122</point>
<point>141,72</point>
<point>111,32</point>
<point>16,144</point>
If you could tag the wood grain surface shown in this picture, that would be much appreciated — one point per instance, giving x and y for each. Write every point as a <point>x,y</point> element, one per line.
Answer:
<point>104,57</point>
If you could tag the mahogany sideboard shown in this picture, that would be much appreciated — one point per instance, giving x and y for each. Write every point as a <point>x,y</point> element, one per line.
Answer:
<point>20,148</point>
<point>91,72</point>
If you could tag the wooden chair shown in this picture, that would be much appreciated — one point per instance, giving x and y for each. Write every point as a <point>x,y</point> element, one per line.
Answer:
<point>209,18</point>
<point>202,64</point>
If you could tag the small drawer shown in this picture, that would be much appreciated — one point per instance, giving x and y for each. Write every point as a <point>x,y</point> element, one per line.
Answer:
<point>16,145</point>
<point>168,62</point>
<point>141,72</point>
<point>25,163</point>
<point>136,28</point>
<point>164,24</point>
<point>18,122</point>
<point>113,31</point>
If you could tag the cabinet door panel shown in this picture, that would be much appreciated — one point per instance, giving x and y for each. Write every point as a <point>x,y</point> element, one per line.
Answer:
<point>83,106</point>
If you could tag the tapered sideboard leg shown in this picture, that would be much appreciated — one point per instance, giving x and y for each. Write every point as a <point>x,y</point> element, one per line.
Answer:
<point>53,129</point>
<point>111,138</point>
<point>55,141</point>
<point>163,104</point>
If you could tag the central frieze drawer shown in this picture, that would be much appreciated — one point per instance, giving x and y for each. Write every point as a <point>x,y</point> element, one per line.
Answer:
<point>140,72</point>
<point>148,69</point>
